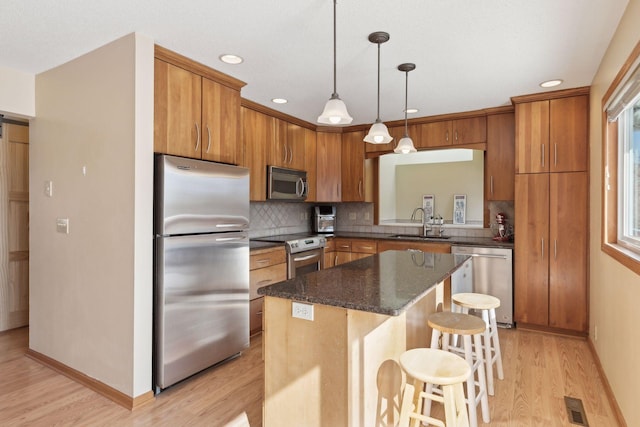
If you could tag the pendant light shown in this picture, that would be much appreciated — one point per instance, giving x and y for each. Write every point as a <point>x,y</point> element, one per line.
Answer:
<point>378,134</point>
<point>406,144</point>
<point>335,111</point>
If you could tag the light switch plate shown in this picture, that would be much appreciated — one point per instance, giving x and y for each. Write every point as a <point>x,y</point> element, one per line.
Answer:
<point>62,225</point>
<point>48,188</point>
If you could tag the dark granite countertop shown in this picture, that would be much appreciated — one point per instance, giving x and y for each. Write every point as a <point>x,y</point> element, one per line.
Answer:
<point>254,245</point>
<point>453,240</point>
<point>386,283</point>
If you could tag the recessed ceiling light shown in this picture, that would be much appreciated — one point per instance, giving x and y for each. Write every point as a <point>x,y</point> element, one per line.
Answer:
<point>279,101</point>
<point>551,83</point>
<point>411,110</point>
<point>231,59</point>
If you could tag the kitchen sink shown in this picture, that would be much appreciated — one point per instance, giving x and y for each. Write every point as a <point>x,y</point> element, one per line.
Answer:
<point>414,236</point>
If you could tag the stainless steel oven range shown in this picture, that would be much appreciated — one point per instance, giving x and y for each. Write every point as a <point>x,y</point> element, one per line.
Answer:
<point>305,252</point>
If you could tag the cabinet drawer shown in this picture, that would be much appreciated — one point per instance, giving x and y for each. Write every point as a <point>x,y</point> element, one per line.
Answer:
<point>364,246</point>
<point>255,315</point>
<point>343,245</point>
<point>265,258</point>
<point>266,276</point>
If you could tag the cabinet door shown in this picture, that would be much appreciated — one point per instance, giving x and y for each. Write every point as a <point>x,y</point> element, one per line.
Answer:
<point>328,167</point>
<point>220,122</point>
<point>310,149</point>
<point>296,146</point>
<point>532,137</point>
<point>568,134</point>
<point>470,131</point>
<point>568,255</point>
<point>177,111</point>
<point>436,134</point>
<point>352,176</point>
<point>257,135</point>
<point>531,290</point>
<point>342,257</point>
<point>277,152</point>
<point>329,259</point>
<point>499,157</point>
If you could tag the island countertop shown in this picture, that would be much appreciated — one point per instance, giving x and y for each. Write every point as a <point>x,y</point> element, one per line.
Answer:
<point>385,283</point>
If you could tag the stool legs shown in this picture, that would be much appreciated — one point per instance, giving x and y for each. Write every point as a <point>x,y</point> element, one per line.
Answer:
<point>492,348</point>
<point>475,360</point>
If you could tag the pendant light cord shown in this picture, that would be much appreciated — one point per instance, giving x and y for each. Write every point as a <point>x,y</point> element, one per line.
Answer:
<point>378,114</point>
<point>335,92</point>
<point>406,95</point>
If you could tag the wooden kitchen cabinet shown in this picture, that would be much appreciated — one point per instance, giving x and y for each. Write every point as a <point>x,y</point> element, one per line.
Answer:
<point>445,133</point>
<point>288,147</point>
<point>267,266</point>
<point>196,110</point>
<point>257,134</point>
<point>551,250</point>
<point>403,245</point>
<point>14,209</point>
<point>551,134</point>
<point>310,165</point>
<point>330,253</point>
<point>329,165</point>
<point>499,157</point>
<point>434,134</point>
<point>347,250</point>
<point>352,176</point>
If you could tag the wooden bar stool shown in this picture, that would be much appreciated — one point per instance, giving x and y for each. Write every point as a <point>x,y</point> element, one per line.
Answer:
<point>447,324</point>
<point>486,304</point>
<point>432,366</point>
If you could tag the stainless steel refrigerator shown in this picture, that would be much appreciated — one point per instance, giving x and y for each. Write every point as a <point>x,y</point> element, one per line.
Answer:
<point>201,262</point>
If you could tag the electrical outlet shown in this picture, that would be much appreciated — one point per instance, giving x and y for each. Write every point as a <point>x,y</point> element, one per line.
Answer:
<point>48,188</point>
<point>302,311</point>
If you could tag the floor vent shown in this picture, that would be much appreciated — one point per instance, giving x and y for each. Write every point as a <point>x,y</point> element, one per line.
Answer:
<point>576,411</point>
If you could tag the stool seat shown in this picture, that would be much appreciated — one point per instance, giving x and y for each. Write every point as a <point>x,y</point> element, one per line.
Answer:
<point>476,301</point>
<point>435,366</point>
<point>456,323</point>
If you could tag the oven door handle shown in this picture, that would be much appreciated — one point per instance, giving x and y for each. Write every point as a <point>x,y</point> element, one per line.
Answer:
<point>304,258</point>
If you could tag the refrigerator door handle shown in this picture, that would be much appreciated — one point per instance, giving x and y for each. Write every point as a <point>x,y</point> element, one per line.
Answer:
<point>231,225</point>
<point>228,239</point>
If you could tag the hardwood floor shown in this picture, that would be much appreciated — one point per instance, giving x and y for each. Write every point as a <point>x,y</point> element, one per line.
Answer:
<point>540,369</point>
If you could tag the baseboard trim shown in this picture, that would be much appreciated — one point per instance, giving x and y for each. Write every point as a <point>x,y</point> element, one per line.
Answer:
<point>550,330</point>
<point>130,403</point>
<point>607,387</point>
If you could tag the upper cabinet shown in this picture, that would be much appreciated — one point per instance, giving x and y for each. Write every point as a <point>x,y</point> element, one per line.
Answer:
<point>196,110</point>
<point>288,148</point>
<point>258,132</point>
<point>310,164</point>
<point>551,135</point>
<point>499,157</point>
<point>328,157</point>
<point>352,160</point>
<point>472,130</point>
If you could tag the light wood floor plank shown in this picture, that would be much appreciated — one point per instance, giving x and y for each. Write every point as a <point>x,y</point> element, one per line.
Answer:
<point>540,369</point>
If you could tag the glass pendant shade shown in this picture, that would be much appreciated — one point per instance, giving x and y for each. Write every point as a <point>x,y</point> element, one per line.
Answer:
<point>405,146</point>
<point>378,134</point>
<point>335,112</point>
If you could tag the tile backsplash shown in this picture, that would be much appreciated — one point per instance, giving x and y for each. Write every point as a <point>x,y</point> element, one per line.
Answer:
<point>274,218</point>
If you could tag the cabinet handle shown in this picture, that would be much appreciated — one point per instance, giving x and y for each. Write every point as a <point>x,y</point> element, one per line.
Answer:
<point>446,136</point>
<point>491,184</point>
<point>290,155</point>
<point>360,188</point>
<point>542,154</point>
<point>555,154</point>
<point>335,261</point>
<point>208,138</point>
<point>542,244</point>
<point>197,136</point>
<point>262,283</point>
<point>456,135</point>
<point>284,156</point>
<point>262,261</point>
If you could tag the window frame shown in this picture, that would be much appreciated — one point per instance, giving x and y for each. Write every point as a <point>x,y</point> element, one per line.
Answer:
<point>626,254</point>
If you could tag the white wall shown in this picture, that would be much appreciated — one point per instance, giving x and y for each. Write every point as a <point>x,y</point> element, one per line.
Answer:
<point>614,289</point>
<point>91,289</point>
<point>17,93</point>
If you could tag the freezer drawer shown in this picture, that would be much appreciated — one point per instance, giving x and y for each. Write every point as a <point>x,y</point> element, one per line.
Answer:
<point>201,303</point>
<point>491,274</point>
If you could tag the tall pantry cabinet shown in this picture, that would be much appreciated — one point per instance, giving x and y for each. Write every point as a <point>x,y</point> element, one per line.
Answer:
<point>551,210</point>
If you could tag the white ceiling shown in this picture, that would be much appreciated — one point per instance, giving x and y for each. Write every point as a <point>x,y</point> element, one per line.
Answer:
<point>469,54</point>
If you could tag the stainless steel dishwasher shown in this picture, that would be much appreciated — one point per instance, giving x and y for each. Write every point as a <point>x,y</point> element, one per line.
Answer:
<point>492,274</point>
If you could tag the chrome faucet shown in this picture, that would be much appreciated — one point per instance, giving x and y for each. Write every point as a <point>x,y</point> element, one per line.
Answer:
<point>426,227</point>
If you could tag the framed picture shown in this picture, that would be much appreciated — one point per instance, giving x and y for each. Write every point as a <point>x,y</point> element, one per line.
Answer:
<point>459,208</point>
<point>428,204</point>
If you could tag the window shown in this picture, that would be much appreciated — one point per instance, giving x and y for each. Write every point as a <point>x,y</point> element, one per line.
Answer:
<point>621,165</point>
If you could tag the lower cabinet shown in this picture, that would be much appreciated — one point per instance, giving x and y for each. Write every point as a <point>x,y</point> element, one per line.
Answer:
<point>403,245</point>
<point>267,266</point>
<point>550,288</point>
<point>347,250</point>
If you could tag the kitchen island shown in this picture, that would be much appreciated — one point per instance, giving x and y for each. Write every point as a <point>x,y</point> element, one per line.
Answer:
<point>334,359</point>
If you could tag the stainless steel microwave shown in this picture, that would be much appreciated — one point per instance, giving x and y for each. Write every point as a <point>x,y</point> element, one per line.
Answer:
<point>286,184</point>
